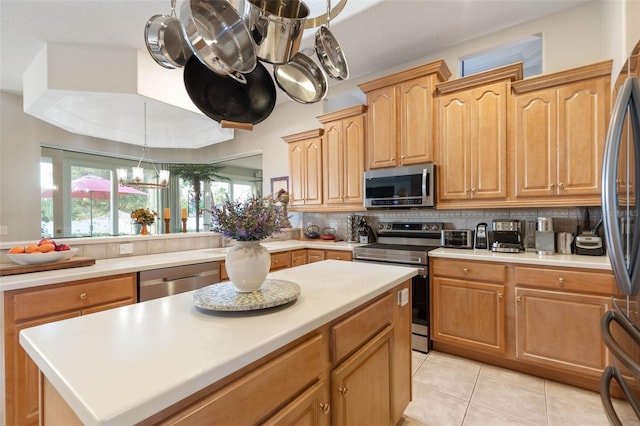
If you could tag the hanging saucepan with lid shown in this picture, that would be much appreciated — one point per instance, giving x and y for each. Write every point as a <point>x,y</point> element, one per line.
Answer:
<point>218,37</point>
<point>165,41</point>
<point>276,27</point>
<point>227,100</point>
<point>329,51</point>
<point>301,79</point>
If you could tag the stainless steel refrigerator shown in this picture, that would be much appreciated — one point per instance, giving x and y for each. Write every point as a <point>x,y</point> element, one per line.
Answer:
<point>620,326</point>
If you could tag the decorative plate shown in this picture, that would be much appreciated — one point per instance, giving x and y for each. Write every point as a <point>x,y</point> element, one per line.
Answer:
<point>225,297</point>
<point>38,259</point>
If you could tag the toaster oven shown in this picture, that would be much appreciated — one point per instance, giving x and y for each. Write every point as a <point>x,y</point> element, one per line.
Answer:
<point>457,238</point>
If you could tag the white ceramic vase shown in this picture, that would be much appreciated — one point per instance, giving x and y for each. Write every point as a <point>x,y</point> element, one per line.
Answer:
<point>247,264</point>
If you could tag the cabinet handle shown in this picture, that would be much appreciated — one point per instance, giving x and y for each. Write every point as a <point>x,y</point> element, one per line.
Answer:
<point>343,391</point>
<point>325,408</point>
<point>553,185</point>
<point>561,185</point>
<point>465,270</point>
<point>518,299</point>
<point>83,296</point>
<point>500,296</point>
<point>473,190</point>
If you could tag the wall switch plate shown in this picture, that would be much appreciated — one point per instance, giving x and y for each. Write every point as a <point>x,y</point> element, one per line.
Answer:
<point>3,230</point>
<point>126,248</point>
<point>403,297</point>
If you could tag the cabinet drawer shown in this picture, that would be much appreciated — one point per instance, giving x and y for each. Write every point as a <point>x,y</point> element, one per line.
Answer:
<point>260,393</point>
<point>82,294</point>
<point>597,282</point>
<point>350,333</point>
<point>280,260</point>
<point>298,257</point>
<point>469,270</point>
<point>314,255</point>
<point>338,255</point>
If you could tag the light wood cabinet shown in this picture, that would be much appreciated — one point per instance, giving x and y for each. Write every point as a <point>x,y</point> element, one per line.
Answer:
<point>298,257</point>
<point>305,168</point>
<point>472,136</point>
<point>468,300</point>
<point>318,255</point>
<point>36,306</point>
<point>312,408</point>
<point>280,260</point>
<point>343,157</point>
<point>560,123</point>
<point>401,116</point>
<point>315,255</point>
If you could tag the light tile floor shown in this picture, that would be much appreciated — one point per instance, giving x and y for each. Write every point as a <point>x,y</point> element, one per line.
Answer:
<point>454,391</point>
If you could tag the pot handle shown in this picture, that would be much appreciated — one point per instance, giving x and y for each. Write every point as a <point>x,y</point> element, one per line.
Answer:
<point>226,124</point>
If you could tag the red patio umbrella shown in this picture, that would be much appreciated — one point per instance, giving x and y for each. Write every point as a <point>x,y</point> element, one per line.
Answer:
<point>95,187</point>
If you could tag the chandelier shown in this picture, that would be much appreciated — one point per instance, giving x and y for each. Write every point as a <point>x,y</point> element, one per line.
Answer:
<point>138,171</point>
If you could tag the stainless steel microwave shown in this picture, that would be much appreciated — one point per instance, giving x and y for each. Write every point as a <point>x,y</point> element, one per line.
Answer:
<point>400,187</point>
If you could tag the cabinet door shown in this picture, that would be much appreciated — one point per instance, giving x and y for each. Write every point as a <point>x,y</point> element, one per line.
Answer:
<point>312,408</point>
<point>361,385</point>
<point>313,175</point>
<point>416,118</point>
<point>535,124</point>
<point>22,375</point>
<point>560,330</point>
<point>454,180</point>
<point>382,131</point>
<point>298,257</point>
<point>353,137</point>
<point>334,163</point>
<point>297,172</point>
<point>489,142</point>
<point>582,127</point>
<point>314,255</point>
<point>469,314</point>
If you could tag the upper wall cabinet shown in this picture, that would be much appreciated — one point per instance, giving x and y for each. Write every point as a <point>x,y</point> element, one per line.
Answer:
<point>343,157</point>
<point>401,116</point>
<point>559,124</point>
<point>472,137</point>
<point>305,168</point>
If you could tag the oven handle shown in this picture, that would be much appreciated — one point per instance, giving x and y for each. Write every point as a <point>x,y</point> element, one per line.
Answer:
<point>414,261</point>
<point>422,271</point>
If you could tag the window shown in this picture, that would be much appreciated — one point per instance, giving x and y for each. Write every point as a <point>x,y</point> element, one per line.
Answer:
<point>528,51</point>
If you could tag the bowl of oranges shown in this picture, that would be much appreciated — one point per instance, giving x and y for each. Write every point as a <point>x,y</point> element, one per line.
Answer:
<point>44,251</point>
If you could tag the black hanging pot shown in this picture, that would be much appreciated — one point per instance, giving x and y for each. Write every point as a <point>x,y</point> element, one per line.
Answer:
<point>227,100</point>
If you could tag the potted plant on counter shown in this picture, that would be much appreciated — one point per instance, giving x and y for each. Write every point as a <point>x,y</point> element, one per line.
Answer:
<point>247,222</point>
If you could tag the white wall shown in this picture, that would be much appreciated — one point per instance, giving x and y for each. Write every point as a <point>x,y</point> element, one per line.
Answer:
<point>582,35</point>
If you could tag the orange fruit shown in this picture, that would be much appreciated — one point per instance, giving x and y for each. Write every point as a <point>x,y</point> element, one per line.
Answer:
<point>31,248</point>
<point>46,248</point>
<point>16,250</point>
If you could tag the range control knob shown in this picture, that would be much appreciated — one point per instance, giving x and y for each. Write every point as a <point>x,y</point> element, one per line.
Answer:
<point>381,226</point>
<point>435,227</point>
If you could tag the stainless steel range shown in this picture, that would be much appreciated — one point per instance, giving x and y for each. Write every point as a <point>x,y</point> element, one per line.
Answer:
<point>407,244</point>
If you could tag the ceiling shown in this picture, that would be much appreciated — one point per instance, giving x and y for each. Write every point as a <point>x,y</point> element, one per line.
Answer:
<point>374,34</point>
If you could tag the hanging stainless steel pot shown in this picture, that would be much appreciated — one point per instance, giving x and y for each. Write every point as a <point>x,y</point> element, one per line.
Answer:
<point>329,51</point>
<point>301,79</point>
<point>226,100</point>
<point>218,37</point>
<point>165,41</point>
<point>276,28</point>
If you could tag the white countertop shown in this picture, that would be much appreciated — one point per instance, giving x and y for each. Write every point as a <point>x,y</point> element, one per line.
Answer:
<point>123,365</point>
<point>531,258</point>
<point>122,265</point>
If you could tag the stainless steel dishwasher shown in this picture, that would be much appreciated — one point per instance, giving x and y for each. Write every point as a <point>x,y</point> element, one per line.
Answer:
<point>163,282</point>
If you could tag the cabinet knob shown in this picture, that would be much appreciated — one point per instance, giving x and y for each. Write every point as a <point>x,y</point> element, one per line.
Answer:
<point>561,281</point>
<point>465,270</point>
<point>500,296</point>
<point>561,185</point>
<point>325,408</point>
<point>518,299</point>
<point>553,185</point>
<point>83,296</point>
<point>338,258</point>
<point>343,391</point>
<point>275,261</point>
<point>473,190</point>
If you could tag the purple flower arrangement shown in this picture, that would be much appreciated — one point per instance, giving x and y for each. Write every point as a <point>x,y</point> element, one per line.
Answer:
<point>252,220</point>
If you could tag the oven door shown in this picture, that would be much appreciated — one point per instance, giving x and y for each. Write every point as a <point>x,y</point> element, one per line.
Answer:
<point>419,307</point>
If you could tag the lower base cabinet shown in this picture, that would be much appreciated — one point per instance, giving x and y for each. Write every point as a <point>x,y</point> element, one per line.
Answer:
<point>30,307</point>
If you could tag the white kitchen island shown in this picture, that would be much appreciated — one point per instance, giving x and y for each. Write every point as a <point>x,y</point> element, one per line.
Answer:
<point>124,365</point>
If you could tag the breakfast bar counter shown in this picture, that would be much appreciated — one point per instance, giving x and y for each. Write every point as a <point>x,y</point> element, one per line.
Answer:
<point>124,365</point>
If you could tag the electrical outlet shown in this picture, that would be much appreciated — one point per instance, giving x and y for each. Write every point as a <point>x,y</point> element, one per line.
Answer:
<point>126,248</point>
<point>3,230</point>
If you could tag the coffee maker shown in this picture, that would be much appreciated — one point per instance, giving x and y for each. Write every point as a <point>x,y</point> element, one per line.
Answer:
<point>506,236</point>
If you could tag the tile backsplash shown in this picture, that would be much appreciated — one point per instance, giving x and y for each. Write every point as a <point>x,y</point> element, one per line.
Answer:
<point>564,219</point>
